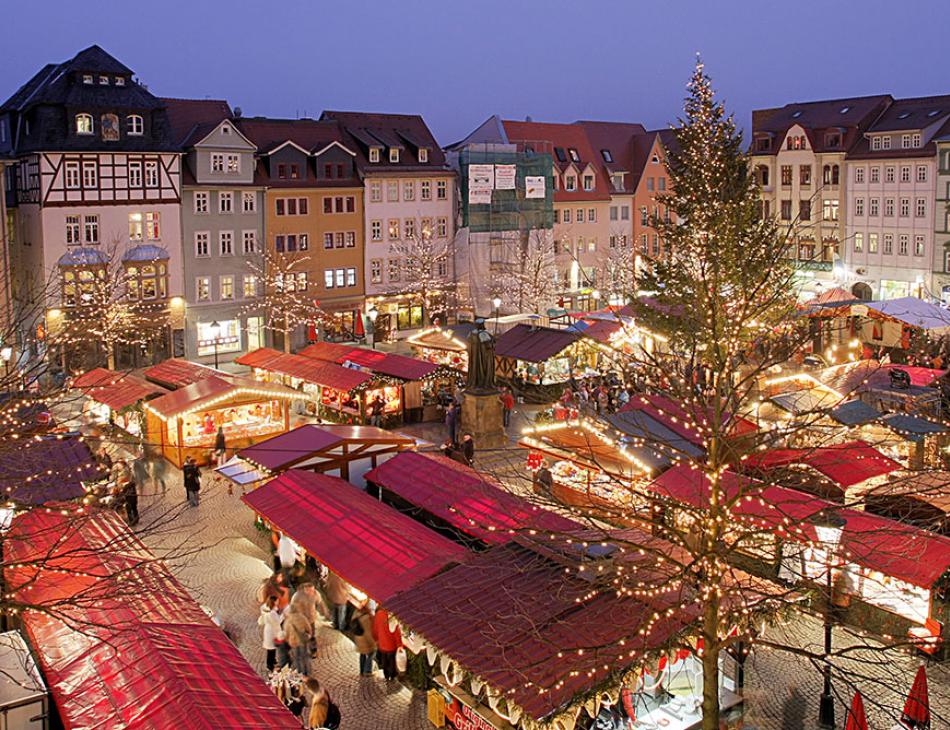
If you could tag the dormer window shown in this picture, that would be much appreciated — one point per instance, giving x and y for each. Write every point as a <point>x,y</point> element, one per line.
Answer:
<point>844,110</point>
<point>84,124</point>
<point>617,181</point>
<point>915,140</point>
<point>905,141</point>
<point>885,142</point>
<point>559,153</point>
<point>87,78</point>
<point>763,144</point>
<point>573,153</point>
<point>103,80</point>
<point>134,125</point>
<point>120,80</point>
<point>607,156</point>
<point>394,154</point>
<point>655,160</point>
<point>588,182</point>
<point>423,154</point>
<point>570,183</point>
<point>374,154</point>
<point>833,139</point>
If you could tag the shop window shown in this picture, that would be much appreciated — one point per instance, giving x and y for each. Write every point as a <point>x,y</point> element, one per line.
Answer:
<point>228,337</point>
<point>408,316</point>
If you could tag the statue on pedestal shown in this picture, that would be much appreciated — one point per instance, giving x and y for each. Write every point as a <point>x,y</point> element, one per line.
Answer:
<point>481,360</point>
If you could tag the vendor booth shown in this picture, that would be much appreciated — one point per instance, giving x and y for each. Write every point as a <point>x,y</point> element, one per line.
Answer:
<point>443,345</point>
<point>921,499</point>
<point>115,400</point>
<point>176,373</point>
<point>44,469</point>
<point>536,355</point>
<point>887,387</point>
<point>187,420</point>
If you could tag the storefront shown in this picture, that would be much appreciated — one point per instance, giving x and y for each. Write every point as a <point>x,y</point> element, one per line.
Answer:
<point>536,355</point>
<point>187,420</point>
<point>115,400</point>
<point>223,339</point>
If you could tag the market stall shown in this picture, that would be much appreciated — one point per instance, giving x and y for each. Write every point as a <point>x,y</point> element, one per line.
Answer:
<point>443,345</point>
<point>187,420</point>
<point>531,355</point>
<point>919,498</point>
<point>176,373</point>
<point>44,469</point>
<point>887,387</point>
<point>115,399</point>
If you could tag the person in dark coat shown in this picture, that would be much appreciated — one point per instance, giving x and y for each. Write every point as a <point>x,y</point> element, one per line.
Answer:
<point>192,479</point>
<point>453,453</point>
<point>220,446</point>
<point>130,495</point>
<point>543,480</point>
<point>452,422</point>
<point>468,449</point>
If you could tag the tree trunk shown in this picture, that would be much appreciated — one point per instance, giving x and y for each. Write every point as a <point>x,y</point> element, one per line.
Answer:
<point>711,651</point>
<point>286,333</point>
<point>110,355</point>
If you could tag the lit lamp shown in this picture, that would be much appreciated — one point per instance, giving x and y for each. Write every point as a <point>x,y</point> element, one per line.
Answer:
<point>373,313</point>
<point>829,527</point>
<point>496,303</point>
<point>215,330</point>
<point>6,354</point>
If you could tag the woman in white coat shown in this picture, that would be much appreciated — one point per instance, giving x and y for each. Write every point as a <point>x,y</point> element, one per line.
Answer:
<point>272,622</point>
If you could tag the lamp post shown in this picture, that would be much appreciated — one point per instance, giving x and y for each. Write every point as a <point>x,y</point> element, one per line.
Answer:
<point>215,329</point>
<point>496,303</point>
<point>829,527</point>
<point>6,354</point>
<point>373,313</point>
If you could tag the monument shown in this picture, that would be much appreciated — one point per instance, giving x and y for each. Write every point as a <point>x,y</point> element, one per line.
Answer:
<point>481,407</point>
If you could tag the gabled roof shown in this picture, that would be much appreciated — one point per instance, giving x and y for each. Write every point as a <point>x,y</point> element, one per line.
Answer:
<point>844,464</point>
<point>177,373</point>
<point>309,369</point>
<point>409,132</point>
<point>618,139</point>
<point>114,389</point>
<point>271,134</point>
<point>46,469</point>
<point>217,387</point>
<point>912,114</point>
<point>534,344</point>
<point>191,120</point>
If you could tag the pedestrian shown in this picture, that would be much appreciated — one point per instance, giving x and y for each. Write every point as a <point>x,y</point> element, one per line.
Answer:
<point>361,626</point>
<point>299,631</point>
<point>286,555</point>
<point>452,422</point>
<point>468,449</point>
<point>120,476</point>
<point>192,479</point>
<point>140,468</point>
<point>583,398</point>
<point>623,397</point>
<point>543,480</point>
<point>104,460</point>
<point>276,587</point>
<point>130,496</point>
<point>323,713</point>
<point>272,622</point>
<point>158,472</point>
<point>453,453</point>
<point>220,446</point>
<point>507,405</point>
<point>313,607</point>
<point>388,642</point>
<point>376,408</point>
<point>338,593</point>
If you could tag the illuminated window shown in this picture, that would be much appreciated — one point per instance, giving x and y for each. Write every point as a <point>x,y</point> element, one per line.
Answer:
<point>250,286</point>
<point>374,154</point>
<point>153,226</point>
<point>227,287</point>
<point>84,124</point>
<point>151,174</point>
<point>136,228</point>
<point>203,289</point>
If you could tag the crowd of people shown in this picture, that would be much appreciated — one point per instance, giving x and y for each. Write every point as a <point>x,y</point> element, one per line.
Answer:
<point>601,396</point>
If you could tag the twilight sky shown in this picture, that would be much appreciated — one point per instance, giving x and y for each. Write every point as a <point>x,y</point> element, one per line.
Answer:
<point>458,62</point>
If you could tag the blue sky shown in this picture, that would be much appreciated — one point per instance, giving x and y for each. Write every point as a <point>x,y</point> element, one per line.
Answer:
<point>456,63</point>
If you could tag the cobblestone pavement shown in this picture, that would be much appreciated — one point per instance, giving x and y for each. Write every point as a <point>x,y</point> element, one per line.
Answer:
<point>222,558</point>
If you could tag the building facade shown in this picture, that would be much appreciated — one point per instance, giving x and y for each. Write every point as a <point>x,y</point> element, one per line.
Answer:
<point>409,220</point>
<point>940,285</point>
<point>222,221</point>
<point>98,192</point>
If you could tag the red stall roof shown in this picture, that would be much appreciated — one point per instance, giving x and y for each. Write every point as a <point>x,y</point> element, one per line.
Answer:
<point>114,389</point>
<point>844,464</point>
<point>329,351</point>
<point>177,373</point>
<point>457,494</point>
<point>216,387</point>
<point>304,368</point>
<point>121,643</point>
<point>534,344</point>
<point>384,363</point>
<point>367,543</point>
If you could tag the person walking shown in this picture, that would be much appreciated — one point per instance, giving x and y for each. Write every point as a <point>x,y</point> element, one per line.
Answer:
<point>361,626</point>
<point>272,623</point>
<point>299,631</point>
<point>104,460</point>
<point>322,713</point>
<point>452,422</point>
<point>387,641</point>
<point>338,593</point>
<point>376,407</point>
<point>468,449</point>
<point>158,470</point>
<point>192,479</point>
<point>130,496</point>
<point>220,447</point>
<point>140,468</point>
<point>313,607</point>
<point>507,405</point>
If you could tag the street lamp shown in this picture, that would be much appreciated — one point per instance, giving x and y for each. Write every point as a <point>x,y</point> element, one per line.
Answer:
<point>373,313</point>
<point>6,354</point>
<point>215,329</point>
<point>829,527</point>
<point>496,303</point>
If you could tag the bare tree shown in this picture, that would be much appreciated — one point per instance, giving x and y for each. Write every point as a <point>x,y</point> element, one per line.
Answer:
<point>426,262</point>
<point>529,283</point>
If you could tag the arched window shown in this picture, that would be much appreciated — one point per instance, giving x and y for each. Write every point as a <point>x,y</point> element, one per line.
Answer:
<point>134,124</point>
<point>834,174</point>
<point>763,176</point>
<point>826,175</point>
<point>84,124</point>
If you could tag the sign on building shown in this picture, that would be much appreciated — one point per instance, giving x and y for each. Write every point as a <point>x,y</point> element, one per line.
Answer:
<point>534,186</point>
<point>481,180</point>
<point>505,177</point>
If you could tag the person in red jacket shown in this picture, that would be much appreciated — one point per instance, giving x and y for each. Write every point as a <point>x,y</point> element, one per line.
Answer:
<point>507,405</point>
<point>387,642</point>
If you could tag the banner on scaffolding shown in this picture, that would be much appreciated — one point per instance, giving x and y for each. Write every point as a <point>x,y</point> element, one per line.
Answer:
<point>481,180</point>
<point>534,186</point>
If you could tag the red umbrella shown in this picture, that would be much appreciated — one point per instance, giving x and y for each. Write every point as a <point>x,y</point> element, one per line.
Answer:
<point>917,707</point>
<point>857,720</point>
<point>358,328</point>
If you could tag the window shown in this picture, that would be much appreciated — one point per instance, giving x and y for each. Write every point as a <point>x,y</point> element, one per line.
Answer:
<point>946,260</point>
<point>350,238</point>
<point>580,215</point>
<point>409,228</point>
<point>915,140</point>
<point>858,242</point>
<point>84,124</point>
<point>888,206</point>
<point>442,268</point>
<point>202,245</point>
<point>656,244</point>
<point>203,288</point>
<point>374,154</point>
<point>291,241</point>
<point>227,287</point>
<point>72,230</point>
<point>624,212</point>
<point>613,212</point>
<point>295,172</point>
<point>888,174</point>
<point>135,227</point>
<point>566,215</point>
<point>328,240</point>
<point>921,173</point>
<point>425,190</point>
<point>588,182</point>
<point>90,174</point>
<point>201,202</point>
<point>217,163</point>
<point>591,215</point>
<point>573,153</point>
<point>408,190</point>
<point>393,229</point>
<point>918,245</point>
<point>151,174</point>
<point>279,243</point>
<point>888,244</point>
<point>905,141</point>
<point>644,216</point>
<point>441,190</point>
<point>249,241</point>
<point>376,271</point>
<point>557,215</point>
<point>394,154</point>
<point>351,277</point>
<point>920,209</point>
<point>872,243</point>
<point>92,228</point>
<point>392,191</point>
<point>804,210</point>
<point>87,78</point>
<point>72,175</point>
<point>425,227</point>
<point>661,183</point>
<point>442,227</point>
<point>225,202</point>
<point>651,183</point>
<point>786,210</point>
<point>153,230</point>
<point>249,202</point>
<point>804,174</point>
<point>885,143</point>
<point>328,171</point>
<point>376,230</point>
<point>376,191</point>
<point>570,183</point>
<point>291,206</point>
<point>905,173</point>
<point>902,243</point>
<point>592,245</point>
<point>392,270</point>
<point>829,210</point>
<point>250,286</point>
<point>874,206</point>
<point>423,154</point>
<point>905,207</point>
<point>134,125</point>
<point>859,206</point>
<point>786,174</point>
<point>859,174</point>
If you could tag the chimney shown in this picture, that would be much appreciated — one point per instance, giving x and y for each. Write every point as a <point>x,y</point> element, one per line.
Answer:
<point>528,118</point>
<point>237,112</point>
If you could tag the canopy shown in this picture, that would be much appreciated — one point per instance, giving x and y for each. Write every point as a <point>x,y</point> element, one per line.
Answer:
<point>575,441</point>
<point>913,428</point>
<point>805,401</point>
<point>845,464</point>
<point>116,390</point>
<point>534,344</point>
<point>45,469</point>
<point>854,413</point>
<point>177,373</point>
<point>121,643</point>
<point>647,431</point>
<point>241,472</point>
<point>367,543</point>
<point>459,496</point>
<point>912,311</point>
<point>857,719</point>
<point>835,295</point>
<point>452,339</point>
<point>852,378</point>
<point>212,390</point>
<point>322,373</point>
<point>384,363</point>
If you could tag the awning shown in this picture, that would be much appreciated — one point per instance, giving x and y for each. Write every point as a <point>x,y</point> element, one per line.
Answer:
<point>854,413</point>
<point>844,464</point>
<point>241,472</point>
<point>121,643</point>
<point>459,496</point>
<point>114,389</point>
<point>855,377</point>
<point>310,370</point>
<point>177,373</point>
<point>647,431</point>
<point>45,469</point>
<point>913,428</point>
<point>384,363</point>
<point>911,311</point>
<point>367,543</point>
<point>809,400</point>
<point>215,389</point>
<point>534,344</point>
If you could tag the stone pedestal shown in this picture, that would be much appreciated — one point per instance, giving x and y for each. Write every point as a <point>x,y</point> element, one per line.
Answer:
<point>482,417</point>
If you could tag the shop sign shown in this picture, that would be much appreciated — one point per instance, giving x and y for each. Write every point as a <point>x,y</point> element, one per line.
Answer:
<point>462,717</point>
<point>505,177</point>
